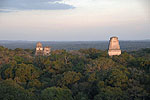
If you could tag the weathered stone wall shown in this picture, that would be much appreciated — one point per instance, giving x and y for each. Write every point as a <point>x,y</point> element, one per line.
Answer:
<point>114,47</point>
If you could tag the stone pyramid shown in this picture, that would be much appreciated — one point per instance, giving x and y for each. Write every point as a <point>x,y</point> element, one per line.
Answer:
<point>114,47</point>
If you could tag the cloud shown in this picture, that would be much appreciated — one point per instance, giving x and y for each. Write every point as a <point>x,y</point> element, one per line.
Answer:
<point>17,5</point>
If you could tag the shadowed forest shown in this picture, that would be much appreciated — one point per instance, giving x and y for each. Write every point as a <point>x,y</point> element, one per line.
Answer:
<point>84,74</point>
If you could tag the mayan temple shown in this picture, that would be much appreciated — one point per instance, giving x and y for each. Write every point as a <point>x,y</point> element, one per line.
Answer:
<point>42,52</point>
<point>114,47</point>
<point>39,49</point>
<point>47,51</point>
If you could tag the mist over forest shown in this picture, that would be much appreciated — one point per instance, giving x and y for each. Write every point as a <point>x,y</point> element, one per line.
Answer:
<point>76,45</point>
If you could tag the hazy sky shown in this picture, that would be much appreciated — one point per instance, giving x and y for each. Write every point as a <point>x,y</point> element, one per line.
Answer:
<point>74,20</point>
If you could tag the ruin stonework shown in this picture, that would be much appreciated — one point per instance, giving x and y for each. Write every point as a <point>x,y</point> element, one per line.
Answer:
<point>42,52</point>
<point>39,49</point>
<point>47,51</point>
<point>114,47</point>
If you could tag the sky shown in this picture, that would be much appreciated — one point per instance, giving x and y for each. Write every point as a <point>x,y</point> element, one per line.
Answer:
<point>74,20</point>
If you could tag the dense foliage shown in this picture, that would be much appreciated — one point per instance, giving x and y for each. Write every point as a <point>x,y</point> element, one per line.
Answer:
<point>85,74</point>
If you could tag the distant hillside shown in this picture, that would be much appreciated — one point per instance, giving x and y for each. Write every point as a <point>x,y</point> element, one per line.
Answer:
<point>76,45</point>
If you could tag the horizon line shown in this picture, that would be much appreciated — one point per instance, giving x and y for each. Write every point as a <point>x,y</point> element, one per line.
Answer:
<point>71,40</point>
